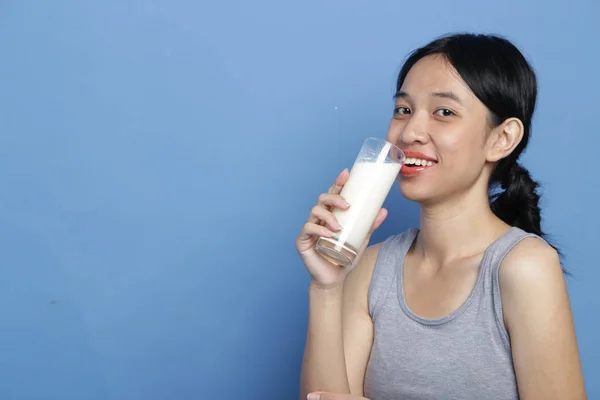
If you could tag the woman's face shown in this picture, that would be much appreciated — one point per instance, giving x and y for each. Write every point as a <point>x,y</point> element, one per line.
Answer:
<point>441,126</point>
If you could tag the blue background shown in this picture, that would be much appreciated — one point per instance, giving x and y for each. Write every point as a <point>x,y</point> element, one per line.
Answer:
<point>157,159</point>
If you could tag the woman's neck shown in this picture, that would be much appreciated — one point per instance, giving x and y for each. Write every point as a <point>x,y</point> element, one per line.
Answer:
<point>457,228</point>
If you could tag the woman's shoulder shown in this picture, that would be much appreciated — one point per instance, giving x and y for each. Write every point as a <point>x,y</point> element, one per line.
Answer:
<point>536,311</point>
<point>531,256</point>
<point>530,276</point>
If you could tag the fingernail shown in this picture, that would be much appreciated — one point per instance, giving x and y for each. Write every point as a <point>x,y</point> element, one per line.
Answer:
<point>313,396</point>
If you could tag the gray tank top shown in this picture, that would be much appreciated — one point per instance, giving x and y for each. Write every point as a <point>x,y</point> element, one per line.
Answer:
<point>464,355</point>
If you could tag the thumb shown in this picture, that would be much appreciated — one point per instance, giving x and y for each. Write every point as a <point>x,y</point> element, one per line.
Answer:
<point>381,216</point>
<point>333,396</point>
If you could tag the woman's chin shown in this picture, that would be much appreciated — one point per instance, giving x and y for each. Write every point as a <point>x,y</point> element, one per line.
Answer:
<point>416,196</point>
<point>421,195</point>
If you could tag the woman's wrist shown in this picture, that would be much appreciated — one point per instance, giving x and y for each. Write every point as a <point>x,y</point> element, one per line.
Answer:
<point>328,290</point>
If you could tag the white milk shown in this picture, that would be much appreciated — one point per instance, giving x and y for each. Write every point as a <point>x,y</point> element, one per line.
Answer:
<point>366,189</point>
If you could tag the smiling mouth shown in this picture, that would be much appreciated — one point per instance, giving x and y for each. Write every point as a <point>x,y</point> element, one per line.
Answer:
<point>418,162</point>
<point>414,166</point>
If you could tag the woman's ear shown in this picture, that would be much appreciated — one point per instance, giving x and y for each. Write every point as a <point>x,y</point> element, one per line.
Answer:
<point>504,138</point>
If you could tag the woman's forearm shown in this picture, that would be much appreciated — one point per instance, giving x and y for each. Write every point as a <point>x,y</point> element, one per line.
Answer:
<point>324,366</point>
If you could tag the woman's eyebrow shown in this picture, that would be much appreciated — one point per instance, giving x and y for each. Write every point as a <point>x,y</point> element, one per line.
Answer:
<point>447,95</point>
<point>443,95</point>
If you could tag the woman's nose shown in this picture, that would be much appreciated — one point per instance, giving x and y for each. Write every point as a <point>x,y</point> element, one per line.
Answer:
<point>415,130</point>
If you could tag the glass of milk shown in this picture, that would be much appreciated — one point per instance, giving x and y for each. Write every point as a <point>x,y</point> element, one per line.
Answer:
<point>374,171</point>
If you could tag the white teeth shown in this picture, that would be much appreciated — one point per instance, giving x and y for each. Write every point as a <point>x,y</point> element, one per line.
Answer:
<point>418,162</point>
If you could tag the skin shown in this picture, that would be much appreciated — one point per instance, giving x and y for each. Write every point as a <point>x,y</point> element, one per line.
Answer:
<point>437,115</point>
<point>333,396</point>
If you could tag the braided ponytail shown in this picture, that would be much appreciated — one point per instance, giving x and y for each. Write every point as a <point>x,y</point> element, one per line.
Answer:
<point>518,203</point>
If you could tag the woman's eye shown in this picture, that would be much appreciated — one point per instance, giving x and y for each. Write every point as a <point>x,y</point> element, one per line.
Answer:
<point>444,112</point>
<point>401,110</point>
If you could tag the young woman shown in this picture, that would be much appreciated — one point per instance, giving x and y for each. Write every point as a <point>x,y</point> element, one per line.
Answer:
<point>473,304</point>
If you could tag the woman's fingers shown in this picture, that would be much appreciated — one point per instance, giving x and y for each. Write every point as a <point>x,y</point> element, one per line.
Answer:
<point>333,396</point>
<point>327,202</point>
<point>311,229</point>
<point>381,216</point>
<point>340,181</point>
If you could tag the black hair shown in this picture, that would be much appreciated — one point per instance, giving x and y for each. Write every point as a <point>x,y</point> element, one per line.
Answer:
<point>501,78</point>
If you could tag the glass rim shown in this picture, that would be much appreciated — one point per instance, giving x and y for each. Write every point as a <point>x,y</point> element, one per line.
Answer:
<point>384,141</point>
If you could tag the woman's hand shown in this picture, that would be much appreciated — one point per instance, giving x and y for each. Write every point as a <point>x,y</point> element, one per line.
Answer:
<point>322,222</point>
<point>333,396</point>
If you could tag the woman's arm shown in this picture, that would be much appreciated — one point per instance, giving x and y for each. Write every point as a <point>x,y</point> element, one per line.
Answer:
<point>357,323</point>
<point>538,318</point>
<point>340,333</point>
